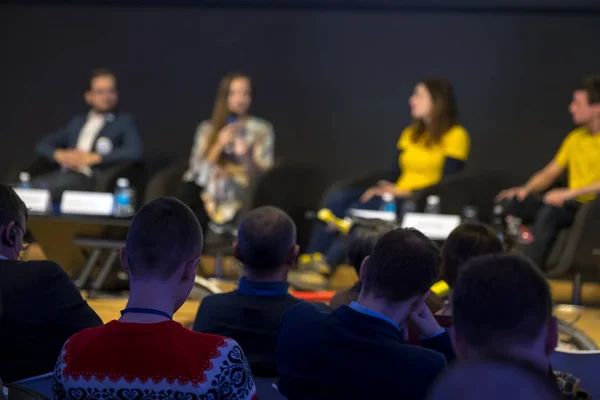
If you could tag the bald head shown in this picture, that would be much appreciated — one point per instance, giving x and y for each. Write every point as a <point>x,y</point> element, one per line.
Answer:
<point>494,380</point>
<point>266,239</point>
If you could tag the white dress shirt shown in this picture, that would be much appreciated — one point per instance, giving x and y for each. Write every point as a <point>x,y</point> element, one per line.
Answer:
<point>90,130</point>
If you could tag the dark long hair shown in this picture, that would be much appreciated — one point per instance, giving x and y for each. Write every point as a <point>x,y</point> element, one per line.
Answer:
<point>444,114</point>
<point>221,111</point>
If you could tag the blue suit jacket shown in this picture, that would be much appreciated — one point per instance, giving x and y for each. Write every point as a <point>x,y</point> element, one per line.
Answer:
<point>120,130</point>
<point>345,354</point>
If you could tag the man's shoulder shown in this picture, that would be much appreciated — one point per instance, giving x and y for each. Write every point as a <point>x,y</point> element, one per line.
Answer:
<point>37,267</point>
<point>578,133</point>
<point>302,313</point>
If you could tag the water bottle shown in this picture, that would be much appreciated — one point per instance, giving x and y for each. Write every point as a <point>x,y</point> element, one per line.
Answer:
<point>124,199</point>
<point>24,180</point>
<point>470,214</point>
<point>498,218</point>
<point>432,205</point>
<point>389,204</point>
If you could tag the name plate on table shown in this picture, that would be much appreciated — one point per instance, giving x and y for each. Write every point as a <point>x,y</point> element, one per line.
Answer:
<point>87,203</point>
<point>373,214</point>
<point>36,200</point>
<point>434,226</point>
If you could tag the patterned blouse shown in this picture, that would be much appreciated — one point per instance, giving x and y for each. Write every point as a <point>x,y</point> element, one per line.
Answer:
<point>224,197</point>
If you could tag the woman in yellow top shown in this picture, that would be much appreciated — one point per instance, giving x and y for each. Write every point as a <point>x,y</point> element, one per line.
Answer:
<point>432,147</point>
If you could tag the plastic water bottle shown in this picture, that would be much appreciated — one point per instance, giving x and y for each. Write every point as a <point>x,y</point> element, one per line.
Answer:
<point>498,218</point>
<point>124,199</point>
<point>24,180</point>
<point>389,203</point>
<point>432,205</point>
<point>470,214</point>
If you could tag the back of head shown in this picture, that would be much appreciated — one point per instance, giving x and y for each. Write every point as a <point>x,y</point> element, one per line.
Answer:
<point>361,244</point>
<point>12,208</point>
<point>266,240</point>
<point>403,264</point>
<point>494,380</point>
<point>164,235</point>
<point>500,301</point>
<point>467,241</point>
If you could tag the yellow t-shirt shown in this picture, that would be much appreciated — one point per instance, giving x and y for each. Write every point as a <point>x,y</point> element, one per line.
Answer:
<point>580,154</point>
<point>422,165</point>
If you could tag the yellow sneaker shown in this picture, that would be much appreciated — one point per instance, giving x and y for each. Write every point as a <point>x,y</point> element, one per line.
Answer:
<point>314,262</point>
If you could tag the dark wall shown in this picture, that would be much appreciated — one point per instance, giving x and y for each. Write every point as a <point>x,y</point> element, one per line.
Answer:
<point>334,83</point>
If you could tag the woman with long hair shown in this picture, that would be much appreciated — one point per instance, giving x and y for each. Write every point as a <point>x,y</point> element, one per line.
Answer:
<point>432,147</point>
<point>229,150</point>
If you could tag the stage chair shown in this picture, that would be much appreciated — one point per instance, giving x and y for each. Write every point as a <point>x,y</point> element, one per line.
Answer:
<point>582,364</point>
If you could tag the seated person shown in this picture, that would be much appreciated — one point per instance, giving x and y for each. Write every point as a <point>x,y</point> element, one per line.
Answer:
<point>229,150</point>
<point>41,307</point>
<point>579,155</point>
<point>502,306</point>
<point>145,353</point>
<point>433,147</point>
<point>251,315</point>
<point>91,142</point>
<point>494,379</point>
<point>358,351</point>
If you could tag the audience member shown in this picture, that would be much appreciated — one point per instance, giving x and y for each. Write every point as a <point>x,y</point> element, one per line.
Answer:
<point>91,142</point>
<point>502,306</point>
<point>579,155</point>
<point>251,315</point>
<point>229,150</point>
<point>41,308</point>
<point>494,379</point>
<point>145,353</point>
<point>357,351</point>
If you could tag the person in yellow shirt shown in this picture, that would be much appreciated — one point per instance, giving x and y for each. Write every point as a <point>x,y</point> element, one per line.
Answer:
<point>579,155</point>
<point>432,147</point>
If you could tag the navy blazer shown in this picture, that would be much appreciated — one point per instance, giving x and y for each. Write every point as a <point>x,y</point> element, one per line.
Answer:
<point>346,354</point>
<point>121,130</point>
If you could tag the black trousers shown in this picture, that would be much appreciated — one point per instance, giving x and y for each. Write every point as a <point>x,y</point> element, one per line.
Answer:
<point>547,222</point>
<point>189,194</point>
<point>60,180</point>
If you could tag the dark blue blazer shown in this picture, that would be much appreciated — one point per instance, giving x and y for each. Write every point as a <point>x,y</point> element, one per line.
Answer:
<point>121,131</point>
<point>345,354</point>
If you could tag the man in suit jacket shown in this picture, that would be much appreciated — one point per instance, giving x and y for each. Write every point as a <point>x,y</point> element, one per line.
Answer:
<point>91,142</point>
<point>251,315</point>
<point>41,308</point>
<point>359,351</point>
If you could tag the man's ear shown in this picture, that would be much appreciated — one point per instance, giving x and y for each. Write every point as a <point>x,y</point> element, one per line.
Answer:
<point>292,257</point>
<point>363,269</point>
<point>236,252</point>
<point>124,260</point>
<point>191,268</point>
<point>459,344</point>
<point>551,335</point>
<point>87,96</point>
<point>6,234</point>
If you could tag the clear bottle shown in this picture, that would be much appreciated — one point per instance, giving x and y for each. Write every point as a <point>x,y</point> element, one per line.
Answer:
<point>124,199</point>
<point>470,214</point>
<point>432,205</point>
<point>24,180</point>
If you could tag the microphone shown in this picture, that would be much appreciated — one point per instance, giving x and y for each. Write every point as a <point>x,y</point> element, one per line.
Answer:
<point>342,225</point>
<point>440,288</point>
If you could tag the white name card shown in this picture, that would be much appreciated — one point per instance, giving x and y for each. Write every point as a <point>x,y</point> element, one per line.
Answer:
<point>86,203</point>
<point>36,200</point>
<point>373,214</point>
<point>434,226</point>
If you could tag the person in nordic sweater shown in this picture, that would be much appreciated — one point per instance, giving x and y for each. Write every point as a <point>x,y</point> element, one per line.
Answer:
<point>145,354</point>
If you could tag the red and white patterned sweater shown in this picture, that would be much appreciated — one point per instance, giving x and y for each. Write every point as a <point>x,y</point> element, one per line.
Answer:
<point>151,361</point>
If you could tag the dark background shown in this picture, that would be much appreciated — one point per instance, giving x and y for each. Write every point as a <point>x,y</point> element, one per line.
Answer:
<point>332,77</point>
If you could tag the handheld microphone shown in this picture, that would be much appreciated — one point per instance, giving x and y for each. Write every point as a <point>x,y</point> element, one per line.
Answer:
<point>342,225</point>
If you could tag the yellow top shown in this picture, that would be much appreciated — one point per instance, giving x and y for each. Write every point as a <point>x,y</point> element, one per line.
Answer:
<point>422,165</point>
<point>580,154</point>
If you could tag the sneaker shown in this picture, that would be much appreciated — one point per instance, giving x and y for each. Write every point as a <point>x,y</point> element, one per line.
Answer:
<point>315,262</point>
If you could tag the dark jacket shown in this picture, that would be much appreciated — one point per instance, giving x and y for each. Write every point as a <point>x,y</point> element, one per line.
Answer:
<point>41,309</point>
<point>346,354</point>
<point>251,316</point>
<point>120,129</point>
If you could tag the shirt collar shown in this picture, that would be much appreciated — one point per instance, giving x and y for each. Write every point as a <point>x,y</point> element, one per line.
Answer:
<point>364,310</point>
<point>253,288</point>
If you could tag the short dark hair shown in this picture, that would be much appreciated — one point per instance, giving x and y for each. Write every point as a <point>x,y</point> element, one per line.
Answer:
<point>591,84</point>
<point>11,206</point>
<point>494,378</point>
<point>467,241</point>
<point>164,234</point>
<point>403,264</point>
<point>500,300</point>
<point>266,236</point>
<point>361,244</point>
<point>96,73</point>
